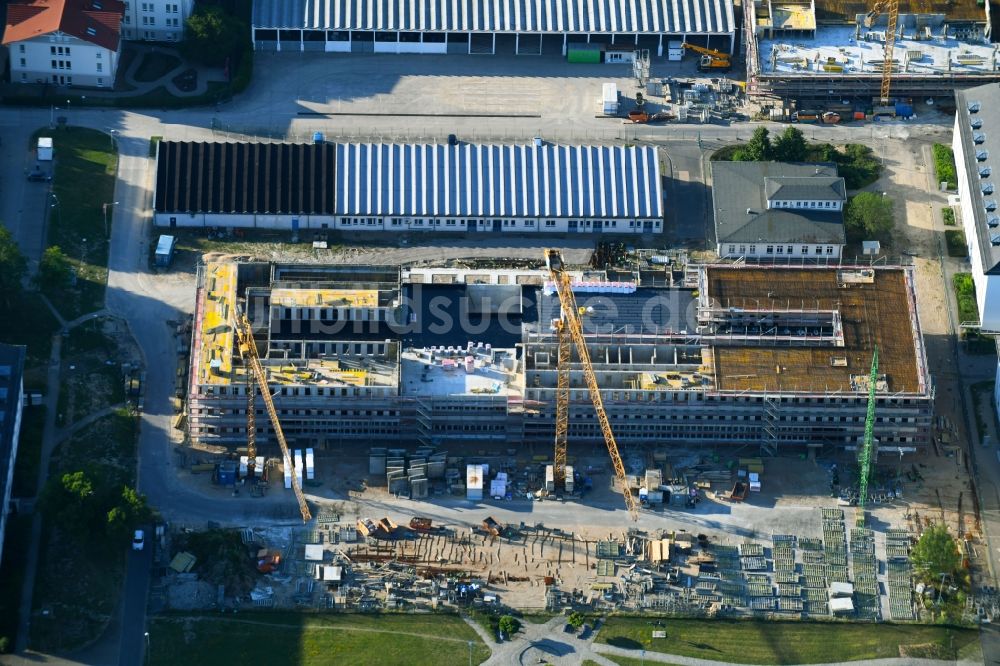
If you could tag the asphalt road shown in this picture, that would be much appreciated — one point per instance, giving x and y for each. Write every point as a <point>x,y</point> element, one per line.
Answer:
<point>133,603</point>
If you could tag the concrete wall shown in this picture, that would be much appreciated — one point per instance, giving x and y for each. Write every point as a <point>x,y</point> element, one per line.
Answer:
<point>401,224</point>
<point>759,251</point>
<point>10,467</point>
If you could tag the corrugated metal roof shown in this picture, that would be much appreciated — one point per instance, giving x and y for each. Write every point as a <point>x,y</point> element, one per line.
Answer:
<point>544,16</point>
<point>220,177</point>
<point>498,181</point>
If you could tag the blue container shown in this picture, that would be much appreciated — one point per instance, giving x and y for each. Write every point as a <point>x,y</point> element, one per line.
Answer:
<point>317,137</point>
<point>904,110</point>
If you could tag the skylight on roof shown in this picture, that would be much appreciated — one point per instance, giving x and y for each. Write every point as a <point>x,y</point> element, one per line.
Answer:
<point>987,188</point>
<point>978,138</point>
<point>995,239</point>
<point>982,155</point>
<point>91,31</point>
<point>993,221</point>
<point>985,172</point>
<point>977,123</point>
<point>973,107</point>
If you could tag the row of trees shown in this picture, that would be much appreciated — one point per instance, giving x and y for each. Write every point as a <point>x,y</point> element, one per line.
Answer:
<point>87,508</point>
<point>54,269</point>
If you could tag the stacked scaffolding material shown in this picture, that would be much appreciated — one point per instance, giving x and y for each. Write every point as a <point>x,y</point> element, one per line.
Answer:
<point>814,575</point>
<point>865,569</point>
<point>834,546</point>
<point>900,576</point>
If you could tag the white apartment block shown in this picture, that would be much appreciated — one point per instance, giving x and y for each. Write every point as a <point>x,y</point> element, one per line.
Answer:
<point>155,20</point>
<point>69,43</point>
<point>977,128</point>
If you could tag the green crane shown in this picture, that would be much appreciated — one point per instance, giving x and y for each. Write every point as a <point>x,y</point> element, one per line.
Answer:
<point>867,450</point>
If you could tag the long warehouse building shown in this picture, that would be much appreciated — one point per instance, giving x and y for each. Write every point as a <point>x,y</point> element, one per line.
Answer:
<point>487,26</point>
<point>409,187</point>
<point>770,357</point>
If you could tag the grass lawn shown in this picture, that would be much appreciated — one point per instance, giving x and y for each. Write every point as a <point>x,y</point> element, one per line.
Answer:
<point>78,584</point>
<point>84,181</point>
<point>15,556</point>
<point>304,639</point>
<point>155,65</point>
<point>29,452</point>
<point>630,661</point>
<point>91,377</point>
<point>753,642</point>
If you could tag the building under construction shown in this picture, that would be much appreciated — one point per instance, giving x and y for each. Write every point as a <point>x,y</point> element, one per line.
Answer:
<point>831,50</point>
<point>367,355</point>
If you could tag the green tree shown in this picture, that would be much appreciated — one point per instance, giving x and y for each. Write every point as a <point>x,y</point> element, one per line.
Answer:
<point>128,513</point>
<point>213,35</point>
<point>576,620</point>
<point>509,625</point>
<point>869,215</point>
<point>53,269</point>
<point>758,148</point>
<point>13,266</point>
<point>4,644</point>
<point>935,553</point>
<point>72,502</point>
<point>790,146</point>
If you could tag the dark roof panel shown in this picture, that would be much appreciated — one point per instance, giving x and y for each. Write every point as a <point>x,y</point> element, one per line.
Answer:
<point>245,178</point>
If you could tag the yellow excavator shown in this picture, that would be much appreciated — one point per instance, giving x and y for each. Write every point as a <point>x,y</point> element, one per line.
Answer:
<point>711,60</point>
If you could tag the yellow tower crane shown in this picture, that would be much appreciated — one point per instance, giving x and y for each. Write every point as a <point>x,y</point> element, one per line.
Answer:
<point>880,7</point>
<point>256,377</point>
<point>569,327</point>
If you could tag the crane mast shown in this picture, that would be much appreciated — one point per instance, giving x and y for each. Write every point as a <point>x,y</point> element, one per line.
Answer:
<point>571,322</point>
<point>880,7</point>
<point>248,350</point>
<point>867,453</point>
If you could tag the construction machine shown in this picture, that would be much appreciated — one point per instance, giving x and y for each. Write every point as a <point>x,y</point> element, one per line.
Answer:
<point>257,378</point>
<point>891,8</point>
<point>569,327</point>
<point>711,60</point>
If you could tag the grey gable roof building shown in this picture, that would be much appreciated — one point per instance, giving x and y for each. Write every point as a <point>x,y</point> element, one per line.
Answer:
<point>741,190</point>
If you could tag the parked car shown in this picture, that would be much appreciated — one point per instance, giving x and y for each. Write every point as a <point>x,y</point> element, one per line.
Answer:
<point>39,177</point>
<point>138,540</point>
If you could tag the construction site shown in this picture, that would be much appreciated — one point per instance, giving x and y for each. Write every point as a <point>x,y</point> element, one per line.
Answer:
<point>466,438</point>
<point>764,358</point>
<point>829,51</point>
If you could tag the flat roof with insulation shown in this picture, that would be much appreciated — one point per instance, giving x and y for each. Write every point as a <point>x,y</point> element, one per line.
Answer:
<point>877,312</point>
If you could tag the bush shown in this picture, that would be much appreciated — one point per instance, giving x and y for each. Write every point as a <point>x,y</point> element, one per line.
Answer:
<point>948,214</point>
<point>944,165</point>
<point>935,553</point>
<point>576,620</point>
<point>965,294</point>
<point>868,215</point>
<point>4,645</point>
<point>955,241</point>
<point>509,625</point>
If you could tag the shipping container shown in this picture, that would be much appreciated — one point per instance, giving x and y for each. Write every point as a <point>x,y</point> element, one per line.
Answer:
<point>609,99</point>
<point>310,465</point>
<point>164,250</point>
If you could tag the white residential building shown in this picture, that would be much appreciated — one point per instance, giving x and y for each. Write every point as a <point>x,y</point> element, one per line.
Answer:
<point>155,20</point>
<point>64,42</point>
<point>976,143</point>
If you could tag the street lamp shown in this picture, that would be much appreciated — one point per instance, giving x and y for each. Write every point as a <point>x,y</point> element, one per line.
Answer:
<point>146,656</point>
<point>112,134</point>
<point>104,207</point>
<point>55,205</point>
